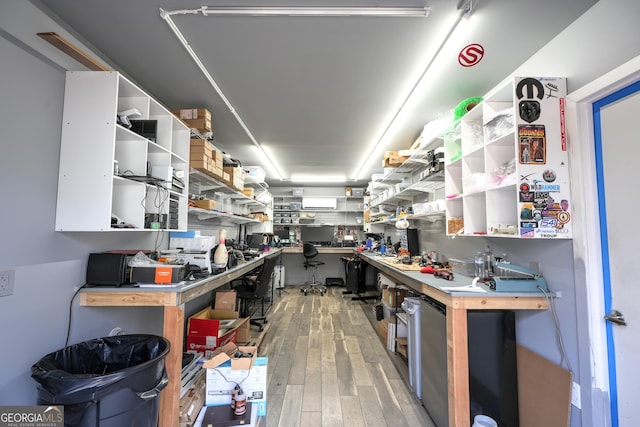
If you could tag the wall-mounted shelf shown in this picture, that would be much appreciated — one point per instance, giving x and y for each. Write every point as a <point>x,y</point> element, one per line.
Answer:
<point>92,191</point>
<point>410,187</point>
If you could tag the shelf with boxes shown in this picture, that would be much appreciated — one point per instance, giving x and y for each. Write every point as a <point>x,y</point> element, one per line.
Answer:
<point>412,186</point>
<point>124,158</point>
<point>218,191</point>
<point>506,164</point>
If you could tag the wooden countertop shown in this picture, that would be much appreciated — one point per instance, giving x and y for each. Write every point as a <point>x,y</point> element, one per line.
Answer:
<point>445,290</point>
<point>166,295</point>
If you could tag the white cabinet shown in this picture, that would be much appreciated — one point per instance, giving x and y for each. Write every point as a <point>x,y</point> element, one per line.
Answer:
<point>507,166</point>
<point>148,191</point>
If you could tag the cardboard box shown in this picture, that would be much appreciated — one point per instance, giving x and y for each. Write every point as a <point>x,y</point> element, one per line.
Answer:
<point>393,297</point>
<point>225,300</point>
<point>383,328</point>
<point>196,118</point>
<point>161,274</point>
<point>192,113</point>
<point>200,164</point>
<point>205,204</point>
<point>392,159</point>
<point>206,331</point>
<point>249,191</point>
<point>224,371</point>
<point>198,142</point>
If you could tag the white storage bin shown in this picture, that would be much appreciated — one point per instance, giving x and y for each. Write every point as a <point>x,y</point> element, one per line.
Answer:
<point>201,243</point>
<point>254,174</point>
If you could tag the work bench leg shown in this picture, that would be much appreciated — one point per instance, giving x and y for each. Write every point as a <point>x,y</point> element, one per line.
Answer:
<point>458,367</point>
<point>170,397</point>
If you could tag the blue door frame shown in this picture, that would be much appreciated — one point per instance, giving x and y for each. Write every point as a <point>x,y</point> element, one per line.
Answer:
<point>606,272</point>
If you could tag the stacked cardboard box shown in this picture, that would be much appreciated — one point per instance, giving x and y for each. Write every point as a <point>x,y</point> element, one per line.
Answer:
<point>204,157</point>
<point>195,118</point>
<point>236,177</point>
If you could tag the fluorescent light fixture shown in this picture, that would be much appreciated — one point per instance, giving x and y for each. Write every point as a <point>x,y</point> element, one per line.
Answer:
<point>318,178</point>
<point>464,7</point>
<point>306,11</point>
<point>279,11</point>
<point>167,17</point>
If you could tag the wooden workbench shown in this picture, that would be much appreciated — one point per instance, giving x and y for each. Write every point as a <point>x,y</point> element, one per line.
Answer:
<point>173,299</point>
<point>457,304</point>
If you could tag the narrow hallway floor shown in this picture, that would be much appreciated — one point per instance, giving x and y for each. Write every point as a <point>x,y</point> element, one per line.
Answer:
<point>327,366</point>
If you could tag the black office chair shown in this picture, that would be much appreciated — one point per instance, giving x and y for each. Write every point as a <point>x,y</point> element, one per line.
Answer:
<point>309,251</point>
<point>253,289</point>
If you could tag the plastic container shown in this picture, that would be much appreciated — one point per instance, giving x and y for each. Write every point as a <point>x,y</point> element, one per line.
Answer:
<point>465,267</point>
<point>484,421</point>
<point>254,174</point>
<point>107,382</point>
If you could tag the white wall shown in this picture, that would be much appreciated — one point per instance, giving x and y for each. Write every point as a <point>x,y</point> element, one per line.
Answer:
<point>48,266</point>
<point>602,39</point>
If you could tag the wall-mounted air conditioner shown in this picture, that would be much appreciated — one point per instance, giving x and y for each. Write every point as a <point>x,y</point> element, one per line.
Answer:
<point>319,203</point>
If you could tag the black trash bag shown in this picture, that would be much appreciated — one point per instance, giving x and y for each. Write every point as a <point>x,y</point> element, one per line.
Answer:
<point>105,381</point>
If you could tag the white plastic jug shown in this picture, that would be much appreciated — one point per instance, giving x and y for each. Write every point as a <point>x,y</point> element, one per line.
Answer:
<point>484,421</point>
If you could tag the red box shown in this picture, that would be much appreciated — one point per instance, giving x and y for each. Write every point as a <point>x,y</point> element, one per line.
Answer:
<point>206,332</point>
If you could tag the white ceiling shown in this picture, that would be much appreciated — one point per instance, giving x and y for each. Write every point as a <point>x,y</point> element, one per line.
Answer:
<point>315,92</point>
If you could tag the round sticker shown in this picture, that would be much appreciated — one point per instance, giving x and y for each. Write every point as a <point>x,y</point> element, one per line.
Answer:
<point>470,55</point>
<point>563,217</point>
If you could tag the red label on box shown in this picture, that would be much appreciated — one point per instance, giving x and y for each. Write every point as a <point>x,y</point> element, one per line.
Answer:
<point>206,345</point>
<point>163,274</point>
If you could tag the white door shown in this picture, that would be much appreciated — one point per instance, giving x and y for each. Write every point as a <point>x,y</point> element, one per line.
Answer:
<point>617,145</point>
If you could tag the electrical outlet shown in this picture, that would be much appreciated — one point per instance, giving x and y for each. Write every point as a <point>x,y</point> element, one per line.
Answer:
<point>575,395</point>
<point>6,282</point>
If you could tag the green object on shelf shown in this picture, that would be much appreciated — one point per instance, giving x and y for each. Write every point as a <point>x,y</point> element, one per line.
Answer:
<point>465,106</point>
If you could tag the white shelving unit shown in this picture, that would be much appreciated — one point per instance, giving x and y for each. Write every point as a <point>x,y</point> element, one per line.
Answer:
<point>289,211</point>
<point>506,164</point>
<point>233,206</point>
<point>90,193</point>
<point>410,187</point>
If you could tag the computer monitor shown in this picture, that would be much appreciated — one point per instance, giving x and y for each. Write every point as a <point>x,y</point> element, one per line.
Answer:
<point>254,241</point>
<point>282,234</point>
<point>322,235</point>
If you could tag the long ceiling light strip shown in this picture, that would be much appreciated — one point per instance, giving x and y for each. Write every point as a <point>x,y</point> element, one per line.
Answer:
<point>399,111</point>
<point>306,11</point>
<point>167,17</point>
<point>278,11</point>
<point>465,7</point>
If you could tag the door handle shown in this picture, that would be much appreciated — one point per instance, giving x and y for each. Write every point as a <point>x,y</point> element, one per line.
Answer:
<point>616,317</point>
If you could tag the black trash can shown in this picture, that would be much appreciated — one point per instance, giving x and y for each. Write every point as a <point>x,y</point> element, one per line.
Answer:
<point>106,382</point>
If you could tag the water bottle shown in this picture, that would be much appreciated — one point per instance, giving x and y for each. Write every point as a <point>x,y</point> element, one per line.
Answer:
<point>488,262</point>
<point>479,263</point>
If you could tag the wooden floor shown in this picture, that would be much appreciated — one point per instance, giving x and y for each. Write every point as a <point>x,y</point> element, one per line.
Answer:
<point>327,366</point>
